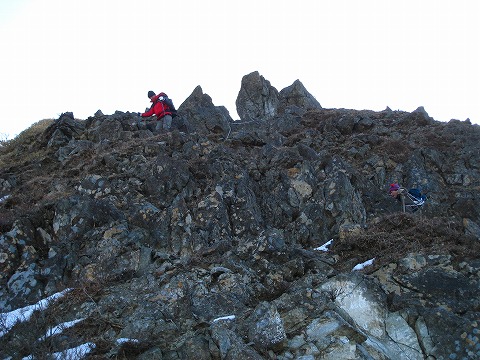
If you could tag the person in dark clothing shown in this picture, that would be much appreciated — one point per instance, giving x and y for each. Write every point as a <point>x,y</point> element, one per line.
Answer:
<point>160,109</point>
<point>397,192</point>
<point>411,199</point>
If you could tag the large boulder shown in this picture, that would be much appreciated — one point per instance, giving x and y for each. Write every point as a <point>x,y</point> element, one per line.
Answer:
<point>362,303</point>
<point>266,328</point>
<point>199,114</point>
<point>296,96</point>
<point>63,130</point>
<point>257,99</point>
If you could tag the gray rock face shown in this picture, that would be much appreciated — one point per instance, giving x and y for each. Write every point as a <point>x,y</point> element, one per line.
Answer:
<point>266,328</point>
<point>296,97</point>
<point>199,114</point>
<point>202,243</point>
<point>257,99</point>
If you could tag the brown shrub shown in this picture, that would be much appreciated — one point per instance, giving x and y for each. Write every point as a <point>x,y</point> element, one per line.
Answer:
<point>394,236</point>
<point>396,150</point>
<point>11,149</point>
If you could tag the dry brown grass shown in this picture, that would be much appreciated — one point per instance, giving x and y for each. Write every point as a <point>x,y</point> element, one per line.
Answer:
<point>396,150</point>
<point>22,160</point>
<point>11,150</point>
<point>397,235</point>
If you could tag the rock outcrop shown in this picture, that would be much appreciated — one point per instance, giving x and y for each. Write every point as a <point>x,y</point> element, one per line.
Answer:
<point>257,99</point>
<point>200,115</point>
<point>203,242</point>
<point>295,98</point>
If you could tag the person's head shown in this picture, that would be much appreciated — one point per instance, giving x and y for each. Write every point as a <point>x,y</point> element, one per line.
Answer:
<point>393,191</point>
<point>151,94</point>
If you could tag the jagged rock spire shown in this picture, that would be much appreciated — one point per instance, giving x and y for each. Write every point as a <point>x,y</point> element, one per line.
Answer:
<point>257,99</point>
<point>201,115</point>
<point>298,96</point>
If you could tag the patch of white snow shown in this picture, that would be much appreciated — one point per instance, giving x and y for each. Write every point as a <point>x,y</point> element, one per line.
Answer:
<point>363,265</point>
<point>9,319</point>
<point>325,246</point>
<point>229,317</point>
<point>59,328</point>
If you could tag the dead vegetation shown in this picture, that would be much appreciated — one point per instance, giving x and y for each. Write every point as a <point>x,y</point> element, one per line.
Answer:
<point>393,236</point>
<point>37,336</point>
<point>26,172</point>
<point>396,150</point>
<point>14,149</point>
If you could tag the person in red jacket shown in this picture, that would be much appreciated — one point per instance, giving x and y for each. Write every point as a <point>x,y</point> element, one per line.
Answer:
<point>160,109</point>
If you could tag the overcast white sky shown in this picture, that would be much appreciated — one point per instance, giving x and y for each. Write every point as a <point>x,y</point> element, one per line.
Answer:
<point>82,56</point>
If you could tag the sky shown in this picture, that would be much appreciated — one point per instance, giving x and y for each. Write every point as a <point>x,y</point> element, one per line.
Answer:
<point>89,55</point>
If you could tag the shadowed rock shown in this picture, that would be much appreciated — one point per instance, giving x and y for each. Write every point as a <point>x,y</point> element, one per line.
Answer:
<point>257,99</point>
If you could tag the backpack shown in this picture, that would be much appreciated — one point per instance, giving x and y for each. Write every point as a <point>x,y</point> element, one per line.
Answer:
<point>417,194</point>
<point>167,101</point>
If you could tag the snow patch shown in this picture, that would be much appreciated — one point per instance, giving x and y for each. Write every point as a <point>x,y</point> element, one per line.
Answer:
<point>363,265</point>
<point>325,246</point>
<point>9,319</point>
<point>73,353</point>
<point>229,317</point>
<point>56,330</point>
<point>121,341</point>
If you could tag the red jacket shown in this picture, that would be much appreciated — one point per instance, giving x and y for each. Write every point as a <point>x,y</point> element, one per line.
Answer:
<point>158,108</point>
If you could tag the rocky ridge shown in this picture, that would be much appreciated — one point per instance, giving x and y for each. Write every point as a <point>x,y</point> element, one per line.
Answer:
<point>200,243</point>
